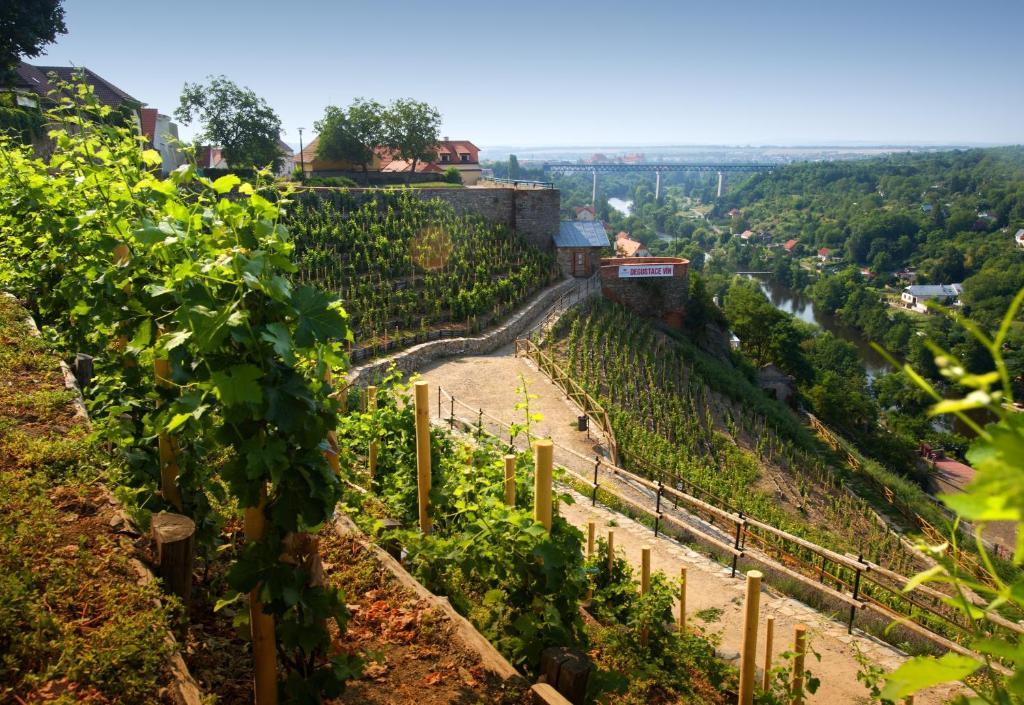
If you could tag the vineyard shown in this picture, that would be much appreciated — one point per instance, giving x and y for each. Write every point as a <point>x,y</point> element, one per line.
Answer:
<point>520,584</point>
<point>405,265</point>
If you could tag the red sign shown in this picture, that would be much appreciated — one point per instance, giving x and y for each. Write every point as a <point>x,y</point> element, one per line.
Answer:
<point>632,271</point>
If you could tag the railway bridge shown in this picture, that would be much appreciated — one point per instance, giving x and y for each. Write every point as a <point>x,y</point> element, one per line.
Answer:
<point>658,168</point>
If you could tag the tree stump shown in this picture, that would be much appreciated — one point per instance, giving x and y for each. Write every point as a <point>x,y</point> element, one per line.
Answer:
<point>174,538</point>
<point>567,671</point>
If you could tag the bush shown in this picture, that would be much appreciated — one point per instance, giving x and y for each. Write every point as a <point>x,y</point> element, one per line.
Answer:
<point>452,175</point>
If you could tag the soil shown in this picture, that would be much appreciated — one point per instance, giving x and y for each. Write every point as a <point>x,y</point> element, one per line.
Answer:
<point>409,650</point>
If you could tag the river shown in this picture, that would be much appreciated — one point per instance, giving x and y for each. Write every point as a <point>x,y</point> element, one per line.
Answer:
<point>624,207</point>
<point>801,306</point>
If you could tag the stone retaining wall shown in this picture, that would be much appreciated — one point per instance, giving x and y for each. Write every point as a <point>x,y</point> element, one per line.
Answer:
<point>417,356</point>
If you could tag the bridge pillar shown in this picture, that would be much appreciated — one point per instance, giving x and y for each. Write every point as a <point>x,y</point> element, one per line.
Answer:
<point>593,192</point>
<point>657,185</point>
<point>721,181</point>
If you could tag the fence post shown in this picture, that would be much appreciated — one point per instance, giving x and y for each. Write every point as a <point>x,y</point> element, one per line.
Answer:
<point>166,445</point>
<point>451,418</point>
<point>423,454</point>
<point>769,633</point>
<point>682,599</point>
<point>480,423</point>
<point>439,401</point>
<point>645,585</point>
<point>739,533</point>
<point>796,691</point>
<point>543,461</point>
<point>593,494</point>
<point>371,407</point>
<point>264,643</point>
<point>591,533</point>
<point>856,592</point>
<point>611,551</point>
<point>510,480</point>
<point>657,508</point>
<point>748,653</point>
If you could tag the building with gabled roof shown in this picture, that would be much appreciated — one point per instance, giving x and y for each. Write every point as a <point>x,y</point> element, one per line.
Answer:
<point>789,245</point>
<point>585,213</point>
<point>578,246</point>
<point>625,246</point>
<point>915,296</point>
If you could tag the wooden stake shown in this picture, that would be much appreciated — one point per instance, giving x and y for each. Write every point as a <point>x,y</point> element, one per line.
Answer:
<point>174,537</point>
<point>611,551</point>
<point>543,459</point>
<point>166,445</point>
<point>264,643</point>
<point>748,654</point>
<point>374,450</point>
<point>796,691</point>
<point>769,633</point>
<point>645,585</point>
<point>591,533</point>
<point>332,436</point>
<point>510,480</point>
<point>423,454</point>
<point>682,599</point>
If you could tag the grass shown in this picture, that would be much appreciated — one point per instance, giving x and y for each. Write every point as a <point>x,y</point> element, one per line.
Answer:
<point>75,625</point>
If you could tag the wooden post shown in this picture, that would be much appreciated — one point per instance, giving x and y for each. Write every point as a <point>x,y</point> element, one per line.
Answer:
<point>371,407</point>
<point>769,633</point>
<point>645,585</point>
<point>909,700</point>
<point>591,533</point>
<point>543,460</point>
<point>611,551</point>
<point>423,454</point>
<point>682,599</point>
<point>510,480</point>
<point>166,445</point>
<point>264,643</point>
<point>331,454</point>
<point>796,691</point>
<point>174,538</point>
<point>748,654</point>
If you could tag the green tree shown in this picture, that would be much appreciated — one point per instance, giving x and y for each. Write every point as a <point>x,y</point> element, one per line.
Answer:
<point>351,134</point>
<point>452,175</point>
<point>412,130</point>
<point>26,26</point>
<point>234,118</point>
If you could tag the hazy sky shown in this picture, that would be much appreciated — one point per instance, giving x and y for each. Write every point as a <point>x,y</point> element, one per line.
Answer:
<point>574,72</point>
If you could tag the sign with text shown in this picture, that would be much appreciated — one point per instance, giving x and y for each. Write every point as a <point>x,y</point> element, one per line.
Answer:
<point>632,271</point>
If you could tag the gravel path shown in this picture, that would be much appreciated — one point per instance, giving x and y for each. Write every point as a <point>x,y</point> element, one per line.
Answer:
<point>489,383</point>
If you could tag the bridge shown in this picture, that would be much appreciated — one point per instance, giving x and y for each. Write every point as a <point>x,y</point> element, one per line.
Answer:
<point>656,167</point>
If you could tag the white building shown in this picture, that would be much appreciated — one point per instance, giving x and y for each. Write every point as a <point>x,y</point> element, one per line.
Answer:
<point>914,297</point>
<point>1019,238</point>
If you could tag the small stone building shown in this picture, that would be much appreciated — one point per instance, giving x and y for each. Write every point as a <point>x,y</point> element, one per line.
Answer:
<point>657,287</point>
<point>578,245</point>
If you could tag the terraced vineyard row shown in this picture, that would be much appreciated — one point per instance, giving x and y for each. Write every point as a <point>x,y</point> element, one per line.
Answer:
<point>401,263</point>
<point>671,427</point>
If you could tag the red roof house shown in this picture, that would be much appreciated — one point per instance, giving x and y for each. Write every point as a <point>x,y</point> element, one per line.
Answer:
<point>790,244</point>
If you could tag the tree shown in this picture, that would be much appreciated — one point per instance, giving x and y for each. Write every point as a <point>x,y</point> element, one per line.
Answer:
<point>452,175</point>
<point>351,135</point>
<point>412,131</point>
<point>234,118</point>
<point>26,26</point>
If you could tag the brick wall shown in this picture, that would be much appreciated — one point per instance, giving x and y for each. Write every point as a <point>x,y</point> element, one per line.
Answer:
<point>656,297</point>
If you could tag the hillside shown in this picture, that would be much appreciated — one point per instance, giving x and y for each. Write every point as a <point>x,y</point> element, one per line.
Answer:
<point>679,411</point>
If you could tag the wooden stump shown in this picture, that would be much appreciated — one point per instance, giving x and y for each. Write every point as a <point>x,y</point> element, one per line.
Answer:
<point>174,539</point>
<point>567,671</point>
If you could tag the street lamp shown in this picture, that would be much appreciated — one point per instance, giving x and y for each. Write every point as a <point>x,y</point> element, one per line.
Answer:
<point>302,158</point>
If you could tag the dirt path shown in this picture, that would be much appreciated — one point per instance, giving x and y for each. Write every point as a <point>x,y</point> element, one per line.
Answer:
<point>489,383</point>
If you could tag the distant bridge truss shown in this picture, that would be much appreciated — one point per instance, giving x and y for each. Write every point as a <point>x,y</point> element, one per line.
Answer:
<point>657,168</point>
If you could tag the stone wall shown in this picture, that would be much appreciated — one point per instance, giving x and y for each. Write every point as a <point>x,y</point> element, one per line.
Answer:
<point>532,213</point>
<point>657,297</point>
<point>417,356</point>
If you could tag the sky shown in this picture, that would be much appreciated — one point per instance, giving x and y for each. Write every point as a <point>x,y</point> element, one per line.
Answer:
<point>575,72</point>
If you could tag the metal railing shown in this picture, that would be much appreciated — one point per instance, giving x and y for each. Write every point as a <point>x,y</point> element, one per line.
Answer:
<point>516,183</point>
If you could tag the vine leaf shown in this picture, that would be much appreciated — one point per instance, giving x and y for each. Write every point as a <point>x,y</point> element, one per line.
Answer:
<point>319,319</point>
<point>922,672</point>
<point>238,385</point>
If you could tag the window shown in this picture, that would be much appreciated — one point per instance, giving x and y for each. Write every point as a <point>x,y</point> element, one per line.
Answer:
<point>445,158</point>
<point>464,158</point>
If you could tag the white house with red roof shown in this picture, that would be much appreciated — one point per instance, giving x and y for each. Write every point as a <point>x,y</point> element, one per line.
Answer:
<point>585,213</point>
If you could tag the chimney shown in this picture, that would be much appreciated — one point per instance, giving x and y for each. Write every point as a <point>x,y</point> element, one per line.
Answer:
<point>446,138</point>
